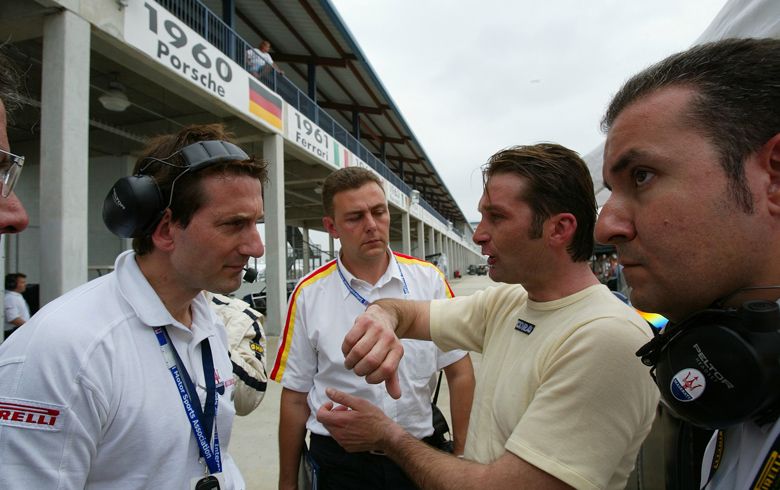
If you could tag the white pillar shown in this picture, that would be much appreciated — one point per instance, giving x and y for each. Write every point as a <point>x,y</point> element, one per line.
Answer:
<point>406,233</point>
<point>64,153</point>
<point>421,240</point>
<point>431,241</point>
<point>439,245</point>
<point>306,251</point>
<point>450,257</point>
<point>276,250</point>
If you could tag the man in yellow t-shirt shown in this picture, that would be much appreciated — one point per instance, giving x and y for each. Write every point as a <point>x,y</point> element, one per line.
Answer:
<point>561,401</point>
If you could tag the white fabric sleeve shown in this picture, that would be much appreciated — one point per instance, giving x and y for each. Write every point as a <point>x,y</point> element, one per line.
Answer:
<point>12,310</point>
<point>296,359</point>
<point>59,455</point>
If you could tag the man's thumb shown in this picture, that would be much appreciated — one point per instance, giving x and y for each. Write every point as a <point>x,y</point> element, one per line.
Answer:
<point>393,386</point>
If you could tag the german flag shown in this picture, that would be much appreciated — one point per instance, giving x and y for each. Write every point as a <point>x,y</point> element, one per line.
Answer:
<point>265,104</point>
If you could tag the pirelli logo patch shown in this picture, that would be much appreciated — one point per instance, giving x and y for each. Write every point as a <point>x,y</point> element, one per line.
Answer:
<point>30,415</point>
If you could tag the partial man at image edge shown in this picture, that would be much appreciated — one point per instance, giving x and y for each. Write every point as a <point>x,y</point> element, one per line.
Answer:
<point>561,400</point>
<point>117,401</point>
<point>692,158</point>
<point>321,310</point>
<point>13,217</point>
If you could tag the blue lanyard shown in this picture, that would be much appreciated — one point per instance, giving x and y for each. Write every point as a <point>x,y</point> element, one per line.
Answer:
<point>363,301</point>
<point>202,423</point>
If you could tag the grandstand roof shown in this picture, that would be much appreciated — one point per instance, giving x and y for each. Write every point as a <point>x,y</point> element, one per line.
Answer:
<point>312,32</point>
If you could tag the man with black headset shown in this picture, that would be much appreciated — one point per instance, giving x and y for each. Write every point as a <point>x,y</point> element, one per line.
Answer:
<point>692,158</point>
<point>125,382</point>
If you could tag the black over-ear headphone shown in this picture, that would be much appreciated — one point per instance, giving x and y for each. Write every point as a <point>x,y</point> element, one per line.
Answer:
<point>720,367</point>
<point>135,204</point>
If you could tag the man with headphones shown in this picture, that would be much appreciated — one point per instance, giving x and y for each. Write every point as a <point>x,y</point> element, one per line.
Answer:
<point>692,158</point>
<point>17,312</point>
<point>126,382</point>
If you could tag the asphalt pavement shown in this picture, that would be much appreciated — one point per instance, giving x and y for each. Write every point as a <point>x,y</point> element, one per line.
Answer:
<point>254,442</point>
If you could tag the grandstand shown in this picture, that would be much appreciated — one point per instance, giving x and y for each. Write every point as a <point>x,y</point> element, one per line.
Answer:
<point>104,75</point>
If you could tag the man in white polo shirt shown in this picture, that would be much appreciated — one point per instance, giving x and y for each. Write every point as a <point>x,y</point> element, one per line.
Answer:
<point>322,309</point>
<point>17,311</point>
<point>125,382</point>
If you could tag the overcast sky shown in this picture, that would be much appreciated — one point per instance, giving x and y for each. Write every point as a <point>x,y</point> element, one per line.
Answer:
<point>473,77</point>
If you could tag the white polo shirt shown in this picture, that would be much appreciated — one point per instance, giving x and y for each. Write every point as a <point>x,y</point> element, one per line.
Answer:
<point>15,307</point>
<point>746,448</point>
<point>320,313</point>
<point>86,399</point>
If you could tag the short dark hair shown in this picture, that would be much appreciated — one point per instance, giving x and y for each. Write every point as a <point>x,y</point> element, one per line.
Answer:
<point>188,194</point>
<point>346,179</point>
<point>737,84</point>
<point>9,83</point>
<point>558,182</point>
<point>12,280</point>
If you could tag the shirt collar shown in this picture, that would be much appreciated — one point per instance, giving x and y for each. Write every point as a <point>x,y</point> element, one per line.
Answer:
<point>392,272</point>
<point>148,306</point>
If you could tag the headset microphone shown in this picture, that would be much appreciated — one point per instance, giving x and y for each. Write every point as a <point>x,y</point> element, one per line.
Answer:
<point>250,275</point>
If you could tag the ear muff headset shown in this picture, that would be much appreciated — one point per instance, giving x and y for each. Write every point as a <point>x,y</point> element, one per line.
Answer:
<point>135,204</point>
<point>720,367</point>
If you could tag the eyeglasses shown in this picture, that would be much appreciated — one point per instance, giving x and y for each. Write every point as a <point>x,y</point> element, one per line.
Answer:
<point>10,169</point>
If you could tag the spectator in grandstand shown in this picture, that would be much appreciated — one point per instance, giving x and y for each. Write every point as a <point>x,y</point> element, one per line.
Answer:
<point>259,61</point>
<point>322,309</point>
<point>561,400</point>
<point>693,160</point>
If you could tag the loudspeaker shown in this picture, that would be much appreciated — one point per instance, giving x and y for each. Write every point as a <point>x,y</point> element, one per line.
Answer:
<point>720,367</point>
<point>135,204</point>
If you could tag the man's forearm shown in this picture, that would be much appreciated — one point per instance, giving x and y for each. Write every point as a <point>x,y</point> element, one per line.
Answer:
<point>461,382</point>
<point>432,469</point>
<point>292,432</point>
<point>412,318</point>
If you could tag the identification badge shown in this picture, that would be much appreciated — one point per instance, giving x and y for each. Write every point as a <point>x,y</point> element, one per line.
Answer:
<point>210,482</point>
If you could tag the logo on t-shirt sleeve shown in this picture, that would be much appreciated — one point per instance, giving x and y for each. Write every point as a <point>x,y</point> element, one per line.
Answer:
<point>524,326</point>
<point>30,415</point>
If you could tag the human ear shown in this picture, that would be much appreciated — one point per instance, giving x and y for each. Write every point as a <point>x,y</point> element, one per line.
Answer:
<point>163,235</point>
<point>561,229</point>
<point>330,226</point>
<point>770,160</point>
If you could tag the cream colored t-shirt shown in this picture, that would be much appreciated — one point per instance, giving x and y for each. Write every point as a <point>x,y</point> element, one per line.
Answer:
<point>558,385</point>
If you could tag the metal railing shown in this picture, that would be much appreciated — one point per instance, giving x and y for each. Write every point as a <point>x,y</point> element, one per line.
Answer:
<point>202,20</point>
